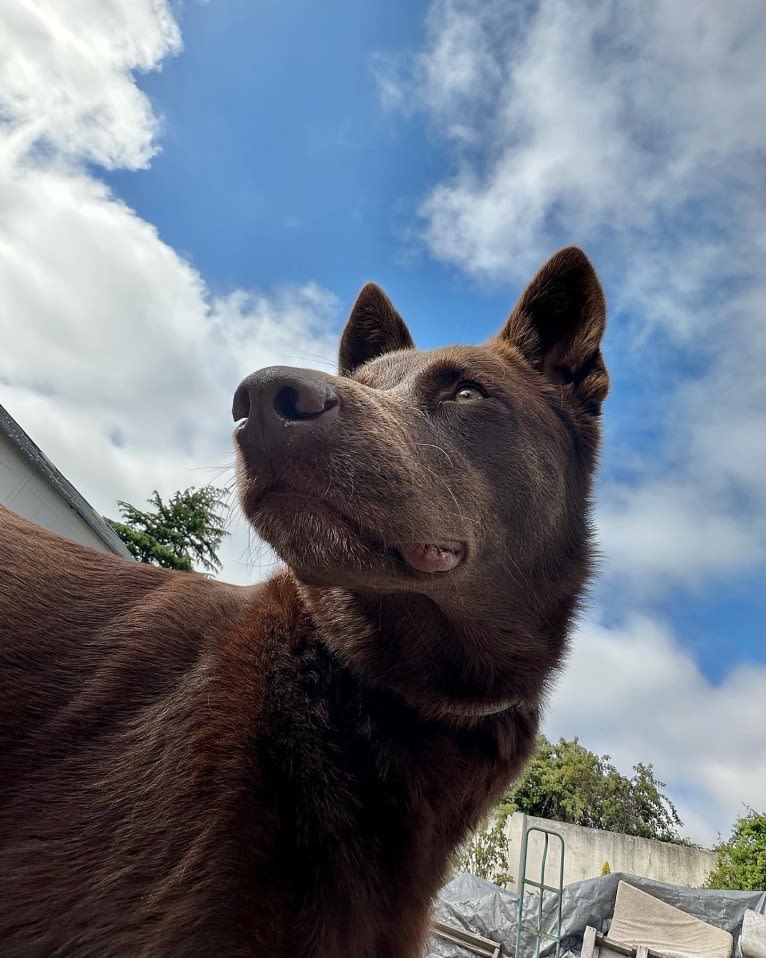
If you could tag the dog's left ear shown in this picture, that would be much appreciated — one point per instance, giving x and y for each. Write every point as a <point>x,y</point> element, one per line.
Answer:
<point>557,325</point>
<point>373,328</point>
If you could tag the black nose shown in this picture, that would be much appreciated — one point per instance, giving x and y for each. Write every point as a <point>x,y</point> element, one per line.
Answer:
<point>278,395</point>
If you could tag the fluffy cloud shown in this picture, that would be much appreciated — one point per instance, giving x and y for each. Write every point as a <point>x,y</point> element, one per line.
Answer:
<point>705,741</point>
<point>580,116</point>
<point>66,81</point>
<point>122,364</point>
<point>654,536</point>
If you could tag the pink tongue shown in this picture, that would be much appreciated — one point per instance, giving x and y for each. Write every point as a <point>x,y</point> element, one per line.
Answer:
<point>430,558</point>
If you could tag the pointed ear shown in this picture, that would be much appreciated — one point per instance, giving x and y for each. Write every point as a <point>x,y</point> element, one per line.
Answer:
<point>373,328</point>
<point>557,325</point>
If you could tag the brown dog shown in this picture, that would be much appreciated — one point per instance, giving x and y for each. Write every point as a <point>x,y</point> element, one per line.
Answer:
<point>189,768</point>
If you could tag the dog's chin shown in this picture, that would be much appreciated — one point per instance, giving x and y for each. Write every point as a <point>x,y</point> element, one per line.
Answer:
<point>327,549</point>
<point>322,547</point>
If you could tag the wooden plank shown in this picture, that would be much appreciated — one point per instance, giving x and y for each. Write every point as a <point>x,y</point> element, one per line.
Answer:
<point>484,947</point>
<point>589,947</point>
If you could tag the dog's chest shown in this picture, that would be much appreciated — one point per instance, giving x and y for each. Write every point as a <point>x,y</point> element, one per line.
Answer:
<point>371,802</point>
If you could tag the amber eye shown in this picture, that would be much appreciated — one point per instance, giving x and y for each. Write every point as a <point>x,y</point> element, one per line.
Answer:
<point>468,394</point>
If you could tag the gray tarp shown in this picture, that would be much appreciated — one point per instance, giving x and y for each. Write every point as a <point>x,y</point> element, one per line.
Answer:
<point>483,908</point>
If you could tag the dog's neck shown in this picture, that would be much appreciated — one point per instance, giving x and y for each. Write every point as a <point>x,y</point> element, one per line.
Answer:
<point>403,643</point>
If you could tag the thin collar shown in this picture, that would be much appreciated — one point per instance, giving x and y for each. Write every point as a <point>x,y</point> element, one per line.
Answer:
<point>478,710</point>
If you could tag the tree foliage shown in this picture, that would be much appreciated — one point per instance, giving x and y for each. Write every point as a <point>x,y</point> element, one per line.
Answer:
<point>176,534</point>
<point>741,862</point>
<point>485,854</point>
<point>568,783</point>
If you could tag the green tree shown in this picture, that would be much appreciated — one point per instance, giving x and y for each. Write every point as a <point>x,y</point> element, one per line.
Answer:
<point>186,529</point>
<point>485,854</point>
<point>568,783</point>
<point>741,862</point>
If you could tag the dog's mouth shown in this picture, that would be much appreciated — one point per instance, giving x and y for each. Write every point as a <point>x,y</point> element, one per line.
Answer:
<point>432,557</point>
<point>428,558</point>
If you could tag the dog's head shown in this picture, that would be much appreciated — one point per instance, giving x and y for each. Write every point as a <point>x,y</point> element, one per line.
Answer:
<point>461,474</point>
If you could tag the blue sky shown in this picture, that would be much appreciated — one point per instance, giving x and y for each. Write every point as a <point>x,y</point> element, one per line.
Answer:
<point>189,192</point>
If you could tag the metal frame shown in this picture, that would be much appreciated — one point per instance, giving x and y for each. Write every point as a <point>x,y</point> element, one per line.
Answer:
<point>537,932</point>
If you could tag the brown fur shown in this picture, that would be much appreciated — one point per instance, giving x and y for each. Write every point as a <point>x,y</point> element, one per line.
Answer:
<point>192,768</point>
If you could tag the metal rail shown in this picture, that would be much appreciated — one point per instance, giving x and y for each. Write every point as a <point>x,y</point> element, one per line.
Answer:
<point>536,931</point>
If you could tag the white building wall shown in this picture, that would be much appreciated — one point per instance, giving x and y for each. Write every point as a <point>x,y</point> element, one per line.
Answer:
<point>25,492</point>
<point>587,849</point>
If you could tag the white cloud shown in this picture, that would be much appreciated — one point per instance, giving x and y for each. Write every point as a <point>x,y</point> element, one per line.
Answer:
<point>66,76</point>
<point>632,692</point>
<point>583,117</point>
<point>665,533</point>
<point>116,357</point>
<point>695,508</point>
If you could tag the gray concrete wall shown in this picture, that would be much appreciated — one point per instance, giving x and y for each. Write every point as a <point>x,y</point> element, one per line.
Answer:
<point>24,491</point>
<point>587,849</point>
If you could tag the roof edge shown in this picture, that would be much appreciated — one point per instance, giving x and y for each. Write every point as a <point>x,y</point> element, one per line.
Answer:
<point>37,459</point>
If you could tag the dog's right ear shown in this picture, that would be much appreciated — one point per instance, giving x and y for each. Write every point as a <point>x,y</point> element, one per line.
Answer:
<point>557,326</point>
<point>373,328</point>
